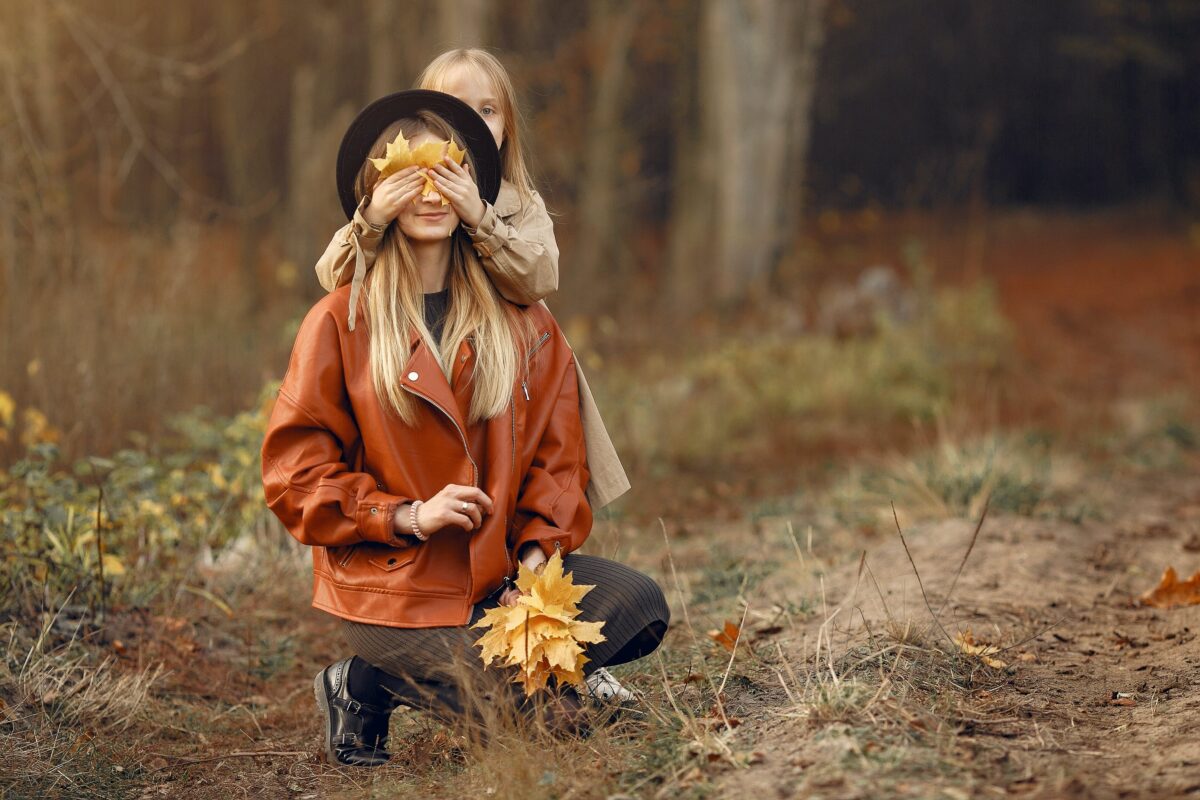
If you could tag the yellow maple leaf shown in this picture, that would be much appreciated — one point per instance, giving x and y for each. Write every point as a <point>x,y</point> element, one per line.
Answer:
<point>540,635</point>
<point>429,154</point>
<point>397,157</point>
<point>586,631</point>
<point>400,155</point>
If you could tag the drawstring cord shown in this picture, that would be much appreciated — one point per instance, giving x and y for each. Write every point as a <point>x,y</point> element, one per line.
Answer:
<point>360,272</point>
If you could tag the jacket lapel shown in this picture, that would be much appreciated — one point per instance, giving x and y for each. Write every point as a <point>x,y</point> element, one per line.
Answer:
<point>423,376</point>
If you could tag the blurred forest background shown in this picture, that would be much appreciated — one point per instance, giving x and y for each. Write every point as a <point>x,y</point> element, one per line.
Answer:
<point>832,267</point>
<point>167,169</point>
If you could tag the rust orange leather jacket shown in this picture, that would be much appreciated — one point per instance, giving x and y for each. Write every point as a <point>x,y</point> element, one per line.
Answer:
<point>336,465</point>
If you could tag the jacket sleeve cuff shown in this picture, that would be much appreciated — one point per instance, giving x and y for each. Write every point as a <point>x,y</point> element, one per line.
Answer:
<point>486,237</point>
<point>374,518</point>
<point>548,537</point>
<point>360,226</point>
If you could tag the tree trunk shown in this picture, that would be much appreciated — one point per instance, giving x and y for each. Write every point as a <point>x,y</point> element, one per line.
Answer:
<point>598,254</point>
<point>743,153</point>
<point>397,53</point>
<point>317,122</point>
<point>461,23</point>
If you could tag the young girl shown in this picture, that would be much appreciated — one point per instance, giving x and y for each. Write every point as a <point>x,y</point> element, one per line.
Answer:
<point>428,450</point>
<point>513,236</point>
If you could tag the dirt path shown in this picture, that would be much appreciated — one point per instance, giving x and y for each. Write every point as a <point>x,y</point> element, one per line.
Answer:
<point>1099,698</point>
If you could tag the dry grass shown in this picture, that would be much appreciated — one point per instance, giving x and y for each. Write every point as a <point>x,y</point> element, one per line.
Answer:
<point>856,703</point>
<point>65,714</point>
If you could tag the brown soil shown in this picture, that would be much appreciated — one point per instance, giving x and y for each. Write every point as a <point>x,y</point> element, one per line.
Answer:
<point>1100,698</point>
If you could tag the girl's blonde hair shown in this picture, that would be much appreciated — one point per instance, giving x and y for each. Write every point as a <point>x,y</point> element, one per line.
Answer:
<point>394,304</point>
<point>512,154</point>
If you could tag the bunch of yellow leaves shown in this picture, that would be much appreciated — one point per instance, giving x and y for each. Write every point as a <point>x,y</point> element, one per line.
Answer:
<point>540,635</point>
<point>399,155</point>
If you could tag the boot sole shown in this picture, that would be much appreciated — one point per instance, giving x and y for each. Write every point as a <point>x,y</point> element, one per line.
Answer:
<point>323,704</point>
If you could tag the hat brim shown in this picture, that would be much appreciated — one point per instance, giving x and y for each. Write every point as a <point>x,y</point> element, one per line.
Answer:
<point>372,120</point>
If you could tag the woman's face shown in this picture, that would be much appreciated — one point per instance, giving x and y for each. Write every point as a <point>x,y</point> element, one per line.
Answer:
<point>425,219</point>
<point>472,86</point>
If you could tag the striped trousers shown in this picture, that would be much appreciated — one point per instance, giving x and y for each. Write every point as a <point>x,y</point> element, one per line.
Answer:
<point>440,669</point>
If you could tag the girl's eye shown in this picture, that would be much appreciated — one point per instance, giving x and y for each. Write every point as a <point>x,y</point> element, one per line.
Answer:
<point>486,110</point>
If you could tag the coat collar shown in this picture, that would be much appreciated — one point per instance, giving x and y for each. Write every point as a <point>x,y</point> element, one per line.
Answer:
<point>423,376</point>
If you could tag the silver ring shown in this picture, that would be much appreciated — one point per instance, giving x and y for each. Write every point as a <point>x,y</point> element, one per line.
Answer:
<point>464,505</point>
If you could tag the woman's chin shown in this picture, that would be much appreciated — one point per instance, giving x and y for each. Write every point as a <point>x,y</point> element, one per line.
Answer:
<point>427,235</point>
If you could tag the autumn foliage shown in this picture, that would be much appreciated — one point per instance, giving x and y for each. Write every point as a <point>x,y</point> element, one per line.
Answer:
<point>541,635</point>
<point>399,156</point>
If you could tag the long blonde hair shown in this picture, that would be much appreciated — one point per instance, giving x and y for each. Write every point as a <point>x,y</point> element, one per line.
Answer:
<point>512,154</point>
<point>394,305</point>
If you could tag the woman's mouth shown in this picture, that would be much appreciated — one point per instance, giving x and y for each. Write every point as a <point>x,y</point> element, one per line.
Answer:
<point>434,217</point>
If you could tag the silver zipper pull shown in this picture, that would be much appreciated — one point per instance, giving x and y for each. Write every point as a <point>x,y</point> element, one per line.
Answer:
<point>525,389</point>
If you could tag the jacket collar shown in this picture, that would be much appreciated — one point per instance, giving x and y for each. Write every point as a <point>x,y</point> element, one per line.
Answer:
<point>423,376</point>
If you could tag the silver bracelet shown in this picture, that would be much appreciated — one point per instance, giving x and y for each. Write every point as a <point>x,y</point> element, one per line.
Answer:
<point>412,521</point>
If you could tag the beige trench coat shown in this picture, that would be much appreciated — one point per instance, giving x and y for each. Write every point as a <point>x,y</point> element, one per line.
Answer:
<point>515,242</point>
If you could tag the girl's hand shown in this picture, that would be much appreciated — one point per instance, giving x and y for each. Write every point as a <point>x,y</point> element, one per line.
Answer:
<point>510,596</point>
<point>392,194</point>
<point>456,185</point>
<point>461,506</point>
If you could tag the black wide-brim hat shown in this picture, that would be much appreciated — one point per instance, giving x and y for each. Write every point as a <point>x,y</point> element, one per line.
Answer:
<point>372,120</point>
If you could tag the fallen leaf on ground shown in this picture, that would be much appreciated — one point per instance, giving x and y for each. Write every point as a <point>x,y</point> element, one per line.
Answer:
<point>1172,592</point>
<point>726,637</point>
<point>966,643</point>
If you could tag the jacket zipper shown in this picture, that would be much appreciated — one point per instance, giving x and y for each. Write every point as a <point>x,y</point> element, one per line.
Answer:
<point>508,565</point>
<point>524,385</point>
<point>461,435</point>
<point>474,469</point>
<point>346,558</point>
<point>513,417</point>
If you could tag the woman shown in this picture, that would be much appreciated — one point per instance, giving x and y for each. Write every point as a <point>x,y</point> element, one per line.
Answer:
<point>425,452</point>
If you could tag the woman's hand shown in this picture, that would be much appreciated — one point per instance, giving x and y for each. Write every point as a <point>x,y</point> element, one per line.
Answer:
<point>534,559</point>
<point>392,194</point>
<point>455,183</point>
<point>462,506</point>
<point>510,596</point>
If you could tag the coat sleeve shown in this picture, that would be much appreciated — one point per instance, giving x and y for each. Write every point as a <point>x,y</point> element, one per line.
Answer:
<point>552,506</point>
<point>520,255</point>
<point>336,266</point>
<point>307,480</point>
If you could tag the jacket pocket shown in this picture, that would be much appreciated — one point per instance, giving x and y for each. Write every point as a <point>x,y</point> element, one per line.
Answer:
<point>341,555</point>
<point>397,558</point>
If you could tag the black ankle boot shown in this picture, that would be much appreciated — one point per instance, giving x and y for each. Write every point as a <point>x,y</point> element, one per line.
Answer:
<point>355,732</point>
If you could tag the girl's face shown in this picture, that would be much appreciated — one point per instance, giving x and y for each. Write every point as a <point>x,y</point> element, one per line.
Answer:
<point>473,87</point>
<point>425,219</point>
